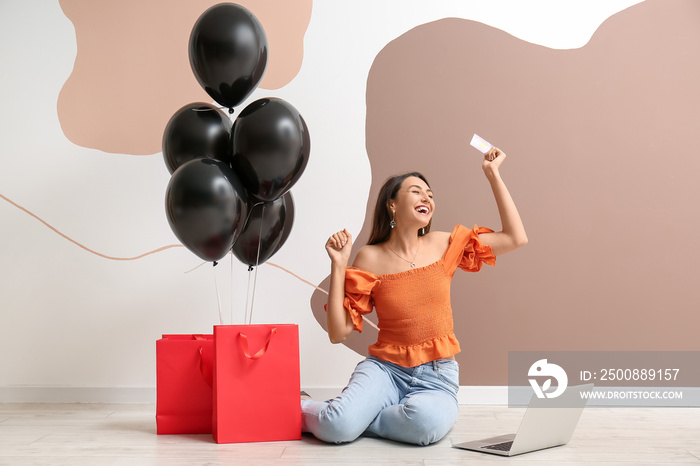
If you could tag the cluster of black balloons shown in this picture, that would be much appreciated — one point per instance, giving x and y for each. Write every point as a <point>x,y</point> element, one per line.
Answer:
<point>230,183</point>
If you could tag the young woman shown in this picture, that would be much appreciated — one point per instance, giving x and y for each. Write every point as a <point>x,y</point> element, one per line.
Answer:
<point>406,390</point>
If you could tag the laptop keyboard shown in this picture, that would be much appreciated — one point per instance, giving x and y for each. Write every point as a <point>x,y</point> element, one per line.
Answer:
<point>505,446</point>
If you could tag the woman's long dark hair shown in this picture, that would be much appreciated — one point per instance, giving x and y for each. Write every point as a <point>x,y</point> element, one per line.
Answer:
<point>381,228</point>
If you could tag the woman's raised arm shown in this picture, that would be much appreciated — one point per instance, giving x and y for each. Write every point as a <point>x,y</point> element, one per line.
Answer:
<point>512,234</point>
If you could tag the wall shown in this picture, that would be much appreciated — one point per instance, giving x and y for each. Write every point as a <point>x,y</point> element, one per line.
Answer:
<point>85,324</point>
<point>592,169</point>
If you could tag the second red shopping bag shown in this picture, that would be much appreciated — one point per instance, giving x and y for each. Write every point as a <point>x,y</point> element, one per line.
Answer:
<point>256,383</point>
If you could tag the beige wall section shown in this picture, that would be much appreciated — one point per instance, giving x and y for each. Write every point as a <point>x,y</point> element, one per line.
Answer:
<point>132,69</point>
<point>602,162</point>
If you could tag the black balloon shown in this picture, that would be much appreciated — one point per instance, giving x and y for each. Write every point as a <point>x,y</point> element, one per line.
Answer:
<point>228,53</point>
<point>206,206</point>
<point>196,131</point>
<point>271,147</point>
<point>266,230</point>
<point>288,220</point>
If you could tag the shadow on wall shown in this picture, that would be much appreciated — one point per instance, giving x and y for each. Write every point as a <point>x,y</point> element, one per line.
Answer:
<point>602,165</point>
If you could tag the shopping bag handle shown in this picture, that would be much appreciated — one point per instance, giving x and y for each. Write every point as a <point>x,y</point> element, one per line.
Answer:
<point>206,372</point>
<point>261,352</point>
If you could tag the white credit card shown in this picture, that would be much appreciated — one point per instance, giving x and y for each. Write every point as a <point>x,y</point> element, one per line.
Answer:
<point>480,144</point>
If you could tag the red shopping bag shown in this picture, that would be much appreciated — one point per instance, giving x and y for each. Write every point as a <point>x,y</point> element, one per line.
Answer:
<point>256,383</point>
<point>184,384</point>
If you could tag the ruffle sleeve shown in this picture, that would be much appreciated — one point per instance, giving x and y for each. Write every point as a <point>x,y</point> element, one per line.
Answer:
<point>358,290</point>
<point>466,250</point>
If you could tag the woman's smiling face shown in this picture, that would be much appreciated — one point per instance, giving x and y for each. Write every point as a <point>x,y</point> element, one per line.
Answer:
<point>414,202</point>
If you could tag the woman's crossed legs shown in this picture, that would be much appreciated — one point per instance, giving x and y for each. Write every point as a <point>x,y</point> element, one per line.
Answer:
<point>415,405</point>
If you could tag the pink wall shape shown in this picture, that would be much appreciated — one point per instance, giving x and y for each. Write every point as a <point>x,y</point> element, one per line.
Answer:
<point>601,163</point>
<point>132,69</point>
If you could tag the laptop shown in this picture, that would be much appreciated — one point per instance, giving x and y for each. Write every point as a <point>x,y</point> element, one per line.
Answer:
<point>542,427</point>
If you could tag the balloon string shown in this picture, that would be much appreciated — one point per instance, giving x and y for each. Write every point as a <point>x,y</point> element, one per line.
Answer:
<point>257,262</point>
<point>218,299</point>
<point>250,212</point>
<point>247,299</point>
<point>231,287</point>
<point>252,302</point>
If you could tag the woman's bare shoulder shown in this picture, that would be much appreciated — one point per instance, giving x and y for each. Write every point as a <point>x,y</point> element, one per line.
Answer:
<point>367,257</point>
<point>439,237</point>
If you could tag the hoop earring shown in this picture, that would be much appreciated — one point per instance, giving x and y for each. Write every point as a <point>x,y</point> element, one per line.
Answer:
<point>392,224</point>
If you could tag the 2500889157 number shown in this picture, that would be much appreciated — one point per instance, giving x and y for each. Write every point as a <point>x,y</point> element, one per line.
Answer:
<point>639,374</point>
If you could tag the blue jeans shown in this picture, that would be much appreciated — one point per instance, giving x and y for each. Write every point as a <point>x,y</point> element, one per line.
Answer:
<point>415,405</point>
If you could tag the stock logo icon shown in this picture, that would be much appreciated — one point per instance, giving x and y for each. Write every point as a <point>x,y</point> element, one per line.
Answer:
<point>542,368</point>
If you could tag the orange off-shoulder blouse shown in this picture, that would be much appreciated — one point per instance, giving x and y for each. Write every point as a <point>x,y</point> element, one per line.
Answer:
<point>413,307</point>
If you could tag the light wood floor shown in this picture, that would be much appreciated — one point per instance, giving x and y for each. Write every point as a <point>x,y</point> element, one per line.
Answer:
<point>124,434</point>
